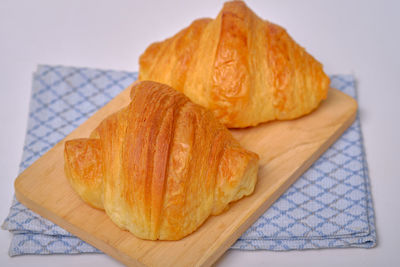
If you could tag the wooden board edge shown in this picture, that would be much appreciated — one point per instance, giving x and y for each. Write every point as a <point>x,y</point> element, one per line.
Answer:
<point>226,244</point>
<point>218,248</point>
<point>99,244</point>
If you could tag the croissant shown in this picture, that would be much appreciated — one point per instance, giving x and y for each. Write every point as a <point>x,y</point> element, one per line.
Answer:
<point>160,166</point>
<point>245,69</point>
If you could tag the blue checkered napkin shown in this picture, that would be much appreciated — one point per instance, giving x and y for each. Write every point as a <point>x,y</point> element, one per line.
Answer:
<point>62,98</point>
<point>329,206</point>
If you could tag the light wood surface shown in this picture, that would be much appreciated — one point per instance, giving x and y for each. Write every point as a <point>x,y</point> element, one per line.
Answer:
<point>286,149</point>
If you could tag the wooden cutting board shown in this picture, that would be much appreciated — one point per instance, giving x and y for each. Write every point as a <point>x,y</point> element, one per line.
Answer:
<point>286,150</point>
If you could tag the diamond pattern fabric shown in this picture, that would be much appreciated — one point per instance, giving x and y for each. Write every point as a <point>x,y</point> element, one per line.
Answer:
<point>329,206</point>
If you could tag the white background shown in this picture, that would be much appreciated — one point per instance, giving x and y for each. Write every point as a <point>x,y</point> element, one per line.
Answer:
<point>357,37</point>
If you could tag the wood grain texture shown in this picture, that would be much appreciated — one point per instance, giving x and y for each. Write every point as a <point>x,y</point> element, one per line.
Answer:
<point>286,150</point>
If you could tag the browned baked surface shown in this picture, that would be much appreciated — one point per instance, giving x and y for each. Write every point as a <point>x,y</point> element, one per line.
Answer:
<point>160,166</point>
<point>245,69</point>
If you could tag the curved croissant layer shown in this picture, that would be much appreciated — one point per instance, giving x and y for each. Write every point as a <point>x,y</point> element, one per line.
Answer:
<point>235,63</point>
<point>160,166</point>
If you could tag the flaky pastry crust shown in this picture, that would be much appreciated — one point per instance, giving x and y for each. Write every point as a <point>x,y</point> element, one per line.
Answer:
<point>245,69</point>
<point>160,166</point>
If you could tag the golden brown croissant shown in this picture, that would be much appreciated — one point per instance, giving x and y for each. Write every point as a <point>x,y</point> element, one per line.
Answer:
<point>245,69</point>
<point>160,166</point>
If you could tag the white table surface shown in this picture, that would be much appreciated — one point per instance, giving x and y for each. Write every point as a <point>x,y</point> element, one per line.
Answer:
<point>357,37</point>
